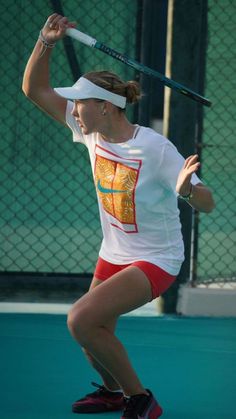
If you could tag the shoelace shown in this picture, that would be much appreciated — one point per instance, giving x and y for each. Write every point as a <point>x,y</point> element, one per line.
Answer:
<point>100,389</point>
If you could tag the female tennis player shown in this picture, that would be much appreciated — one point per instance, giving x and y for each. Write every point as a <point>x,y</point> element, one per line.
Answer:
<point>138,177</point>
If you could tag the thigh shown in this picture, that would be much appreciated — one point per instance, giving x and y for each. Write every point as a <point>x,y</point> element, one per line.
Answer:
<point>121,293</point>
<point>111,323</point>
<point>95,282</point>
<point>76,307</point>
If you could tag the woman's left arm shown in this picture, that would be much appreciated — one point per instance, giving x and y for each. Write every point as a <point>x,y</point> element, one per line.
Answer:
<point>198,196</point>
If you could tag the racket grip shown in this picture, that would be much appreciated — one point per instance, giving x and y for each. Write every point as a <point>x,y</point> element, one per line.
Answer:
<point>81,37</point>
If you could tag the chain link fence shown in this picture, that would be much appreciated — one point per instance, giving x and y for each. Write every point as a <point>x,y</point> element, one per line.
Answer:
<point>48,211</point>
<point>216,256</point>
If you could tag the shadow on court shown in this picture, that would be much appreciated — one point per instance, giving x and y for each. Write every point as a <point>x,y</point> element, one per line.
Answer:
<point>189,364</point>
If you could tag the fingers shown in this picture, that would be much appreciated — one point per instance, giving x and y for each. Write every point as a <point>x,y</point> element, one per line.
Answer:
<point>56,26</point>
<point>58,22</point>
<point>54,21</point>
<point>192,163</point>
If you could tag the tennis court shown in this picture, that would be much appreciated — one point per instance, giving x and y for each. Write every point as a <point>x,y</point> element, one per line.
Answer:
<point>49,226</point>
<point>189,363</point>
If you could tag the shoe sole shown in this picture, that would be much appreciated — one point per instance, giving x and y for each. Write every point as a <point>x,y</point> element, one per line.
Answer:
<point>96,409</point>
<point>154,411</point>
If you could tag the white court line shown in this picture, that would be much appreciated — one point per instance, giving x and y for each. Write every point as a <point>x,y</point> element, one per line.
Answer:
<point>149,309</point>
<point>39,308</point>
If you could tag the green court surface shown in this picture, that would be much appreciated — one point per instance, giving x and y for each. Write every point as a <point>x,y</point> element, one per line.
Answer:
<point>188,363</point>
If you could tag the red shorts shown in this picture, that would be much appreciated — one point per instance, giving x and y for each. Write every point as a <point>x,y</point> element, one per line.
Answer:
<point>159,279</point>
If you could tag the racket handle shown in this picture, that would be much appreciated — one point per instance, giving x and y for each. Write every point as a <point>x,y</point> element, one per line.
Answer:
<point>81,37</point>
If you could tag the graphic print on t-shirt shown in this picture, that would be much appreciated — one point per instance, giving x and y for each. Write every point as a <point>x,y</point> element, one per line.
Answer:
<point>116,179</point>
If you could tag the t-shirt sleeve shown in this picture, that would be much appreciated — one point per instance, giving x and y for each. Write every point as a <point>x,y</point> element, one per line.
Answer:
<point>73,125</point>
<point>171,164</point>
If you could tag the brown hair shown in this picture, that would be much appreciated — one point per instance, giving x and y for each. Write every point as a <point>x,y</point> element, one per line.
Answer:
<point>110,81</point>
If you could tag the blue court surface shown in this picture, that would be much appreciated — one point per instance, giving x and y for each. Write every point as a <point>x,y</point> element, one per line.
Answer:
<point>188,363</point>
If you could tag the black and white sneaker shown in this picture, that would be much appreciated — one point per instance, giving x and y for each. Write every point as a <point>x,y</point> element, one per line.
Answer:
<point>141,406</point>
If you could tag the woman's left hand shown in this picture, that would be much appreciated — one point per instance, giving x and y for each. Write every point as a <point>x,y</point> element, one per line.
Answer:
<point>191,165</point>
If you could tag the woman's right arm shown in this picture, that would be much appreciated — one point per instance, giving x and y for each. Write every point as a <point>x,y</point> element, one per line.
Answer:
<point>36,80</point>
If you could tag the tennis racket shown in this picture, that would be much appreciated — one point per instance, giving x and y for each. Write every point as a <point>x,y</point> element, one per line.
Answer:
<point>93,43</point>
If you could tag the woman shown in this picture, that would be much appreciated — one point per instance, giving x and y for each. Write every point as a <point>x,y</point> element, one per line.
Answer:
<point>138,176</point>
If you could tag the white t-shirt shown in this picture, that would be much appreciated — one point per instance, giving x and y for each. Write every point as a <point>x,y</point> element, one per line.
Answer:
<point>135,183</point>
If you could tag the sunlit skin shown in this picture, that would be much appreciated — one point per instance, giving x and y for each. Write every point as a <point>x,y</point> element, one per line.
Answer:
<point>103,117</point>
<point>88,114</point>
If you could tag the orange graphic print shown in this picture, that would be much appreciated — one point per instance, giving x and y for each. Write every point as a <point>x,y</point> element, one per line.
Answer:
<point>116,182</point>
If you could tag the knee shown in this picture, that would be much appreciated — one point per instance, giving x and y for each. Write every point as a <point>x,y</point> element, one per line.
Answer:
<point>74,321</point>
<point>79,323</point>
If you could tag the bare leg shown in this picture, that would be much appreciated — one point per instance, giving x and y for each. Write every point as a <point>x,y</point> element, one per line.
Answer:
<point>107,378</point>
<point>91,316</point>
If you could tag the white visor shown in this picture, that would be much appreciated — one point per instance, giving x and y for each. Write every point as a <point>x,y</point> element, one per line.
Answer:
<point>85,89</point>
